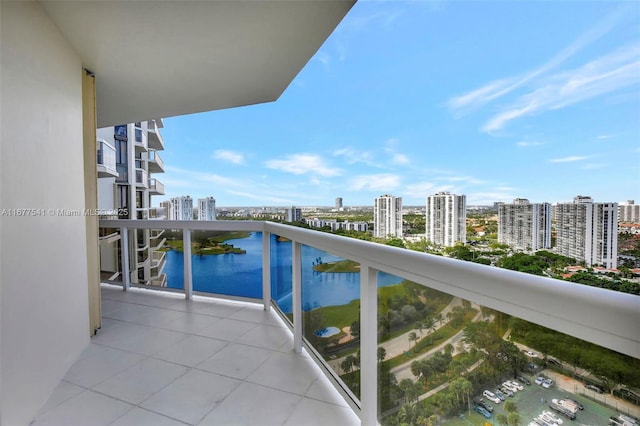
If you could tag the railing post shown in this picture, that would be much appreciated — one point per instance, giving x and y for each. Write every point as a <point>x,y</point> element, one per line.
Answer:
<point>296,284</point>
<point>188,278</point>
<point>266,270</point>
<point>124,258</point>
<point>368,345</point>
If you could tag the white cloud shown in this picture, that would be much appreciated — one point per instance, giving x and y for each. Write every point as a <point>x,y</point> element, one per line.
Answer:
<point>299,164</point>
<point>570,159</point>
<point>498,88</point>
<point>607,74</point>
<point>230,156</point>
<point>376,182</point>
<point>354,156</point>
<point>527,144</point>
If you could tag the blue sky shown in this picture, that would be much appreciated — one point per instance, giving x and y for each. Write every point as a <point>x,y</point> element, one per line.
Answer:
<point>495,100</point>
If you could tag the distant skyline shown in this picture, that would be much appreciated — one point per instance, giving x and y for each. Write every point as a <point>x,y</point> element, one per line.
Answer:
<point>494,100</point>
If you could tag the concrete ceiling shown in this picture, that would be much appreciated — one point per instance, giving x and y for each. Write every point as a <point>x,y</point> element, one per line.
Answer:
<point>167,58</point>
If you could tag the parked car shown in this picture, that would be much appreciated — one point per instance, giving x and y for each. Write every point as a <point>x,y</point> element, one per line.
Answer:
<point>593,388</point>
<point>506,391</point>
<point>500,395</point>
<point>539,380</point>
<point>509,386</point>
<point>547,383</point>
<point>580,406</point>
<point>524,380</point>
<point>484,404</point>
<point>482,411</point>
<point>491,396</point>
<point>531,354</point>
<point>516,385</point>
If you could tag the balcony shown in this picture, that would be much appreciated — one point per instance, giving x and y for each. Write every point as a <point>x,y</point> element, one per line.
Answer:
<point>154,137</point>
<point>140,140</point>
<point>157,262</point>
<point>106,159</point>
<point>156,165</point>
<point>156,187</point>
<point>600,316</point>
<point>141,178</point>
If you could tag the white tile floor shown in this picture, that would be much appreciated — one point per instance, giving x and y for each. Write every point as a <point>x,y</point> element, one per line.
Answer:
<point>160,360</point>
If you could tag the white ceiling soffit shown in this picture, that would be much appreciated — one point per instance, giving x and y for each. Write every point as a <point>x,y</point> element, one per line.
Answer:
<point>167,58</point>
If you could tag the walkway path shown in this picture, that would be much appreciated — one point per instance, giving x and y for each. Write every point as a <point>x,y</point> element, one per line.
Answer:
<point>399,344</point>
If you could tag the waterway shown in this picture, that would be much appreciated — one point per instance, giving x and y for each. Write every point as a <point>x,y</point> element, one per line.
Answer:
<point>241,274</point>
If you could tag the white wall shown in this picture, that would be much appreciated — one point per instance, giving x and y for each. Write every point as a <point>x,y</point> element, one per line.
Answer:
<point>44,309</point>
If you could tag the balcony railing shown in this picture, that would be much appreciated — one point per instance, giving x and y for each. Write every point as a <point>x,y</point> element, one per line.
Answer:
<point>140,139</point>
<point>106,159</point>
<point>156,187</point>
<point>156,164</point>
<point>603,317</point>
<point>141,178</point>
<point>154,137</point>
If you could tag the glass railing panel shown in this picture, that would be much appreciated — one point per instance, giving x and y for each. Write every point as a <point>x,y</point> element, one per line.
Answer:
<point>147,266</point>
<point>227,263</point>
<point>452,362</point>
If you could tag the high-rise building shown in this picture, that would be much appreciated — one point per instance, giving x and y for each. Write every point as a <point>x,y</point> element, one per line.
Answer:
<point>387,216</point>
<point>167,209</point>
<point>338,203</point>
<point>294,214</point>
<point>181,208</point>
<point>588,231</point>
<point>629,212</point>
<point>525,226</point>
<point>127,158</point>
<point>446,219</point>
<point>207,208</point>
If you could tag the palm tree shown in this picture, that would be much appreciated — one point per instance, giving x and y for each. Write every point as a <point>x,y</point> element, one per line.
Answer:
<point>514,418</point>
<point>413,337</point>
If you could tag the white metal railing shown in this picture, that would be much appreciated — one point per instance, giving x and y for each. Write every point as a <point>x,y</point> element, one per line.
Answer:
<point>606,318</point>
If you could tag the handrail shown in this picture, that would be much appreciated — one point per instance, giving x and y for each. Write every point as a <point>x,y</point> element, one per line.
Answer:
<point>604,317</point>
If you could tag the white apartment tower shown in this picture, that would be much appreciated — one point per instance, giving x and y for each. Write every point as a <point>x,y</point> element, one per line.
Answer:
<point>525,226</point>
<point>387,216</point>
<point>338,203</point>
<point>588,231</point>
<point>127,158</point>
<point>629,212</point>
<point>446,219</point>
<point>294,214</point>
<point>207,208</point>
<point>181,208</point>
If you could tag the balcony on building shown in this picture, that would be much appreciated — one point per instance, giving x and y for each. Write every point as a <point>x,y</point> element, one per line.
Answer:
<point>106,154</point>
<point>156,165</point>
<point>263,323</point>
<point>154,137</point>
<point>156,187</point>
<point>139,138</point>
<point>141,178</point>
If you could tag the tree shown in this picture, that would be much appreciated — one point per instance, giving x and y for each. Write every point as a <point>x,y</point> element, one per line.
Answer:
<point>510,406</point>
<point>355,329</point>
<point>413,337</point>
<point>502,419</point>
<point>382,353</point>
<point>514,419</point>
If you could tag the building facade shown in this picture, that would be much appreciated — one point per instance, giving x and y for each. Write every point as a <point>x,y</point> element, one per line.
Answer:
<point>181,208</point>
<point>628,212</point>
<point>387,216</point>
<point>338,203</point>
<point>525,226</point>
<point>446,219</point>
<point>207,208</point>
<point>294,214</point>
<point>588,231</point>
<point>127,158</point>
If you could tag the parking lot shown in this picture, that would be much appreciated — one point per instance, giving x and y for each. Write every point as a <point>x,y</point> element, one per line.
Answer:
<point>533,399</point>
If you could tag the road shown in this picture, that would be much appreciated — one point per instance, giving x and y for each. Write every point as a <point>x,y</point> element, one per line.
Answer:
<point>400,344</point>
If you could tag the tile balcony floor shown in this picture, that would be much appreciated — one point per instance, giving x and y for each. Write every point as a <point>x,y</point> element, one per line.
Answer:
<point>162,360</point>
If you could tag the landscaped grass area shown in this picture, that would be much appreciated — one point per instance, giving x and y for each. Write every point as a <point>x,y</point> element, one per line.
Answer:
<point>427,343</point>
<point>215,244</point>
